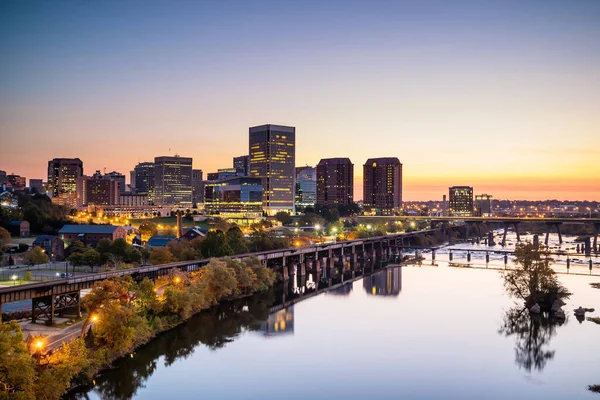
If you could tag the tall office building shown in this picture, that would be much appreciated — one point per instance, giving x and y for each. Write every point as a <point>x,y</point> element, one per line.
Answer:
<point>272,157</point>
<point>335,182</point>
<point>36,185</point>
<point>63,174</point>
<point>117,177</point>
<point>382,185</point>
<point>144,179</point>
<point>17,182</point>
<point>97,190</point>
<point>197,187</point>
<point>173,181</point>
<point>237,199</point>
<point>3,178</point>
<point>483,205</point>
<point>461,201</point>
<point>243,163</point>
<point>306,186</point>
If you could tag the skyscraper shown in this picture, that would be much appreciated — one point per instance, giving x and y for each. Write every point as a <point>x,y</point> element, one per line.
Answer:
<point>197,187</point>
<point>461,201</point>
<point>382,185</point>
<point>483,205</point>
<point>63,174</point>
<point>144,179</point>
<point>335,182</point>
<point>242,162</point>
<point>272,157</point>
<point>118,177</point>
<point>306,186</point>
<point>173,181</point>
<point>98,190</point>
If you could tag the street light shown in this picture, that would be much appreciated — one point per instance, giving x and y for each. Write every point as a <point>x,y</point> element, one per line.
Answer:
<point>94,318</point>
<point>14,278</point>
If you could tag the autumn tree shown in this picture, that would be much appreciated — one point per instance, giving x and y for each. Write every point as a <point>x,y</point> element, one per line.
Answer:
<point>161,255</point>
<point>4,239</point>
<point>36,256</point>
<point>147,229</point>
<point>17,372</point>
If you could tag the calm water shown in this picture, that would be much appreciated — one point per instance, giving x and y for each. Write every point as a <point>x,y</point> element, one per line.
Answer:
<point>429,332</point>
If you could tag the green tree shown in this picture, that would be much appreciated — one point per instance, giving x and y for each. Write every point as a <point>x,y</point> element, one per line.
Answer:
<point>236,240</point>
<point>132,255</point>
<point>36,256</point>
<point>161,255</point>
<point>284,217</point>
<point>220,280</point>
<point>28,276</point>
<point>215,245</point>
<point>17,372</point>
<point>534,281</point>
<point>91,258</point>
<point>119,247</point>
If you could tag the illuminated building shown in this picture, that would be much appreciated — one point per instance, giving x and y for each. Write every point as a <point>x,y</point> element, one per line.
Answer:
<point>118,177</point>
<point>272,157</point>
<point>306,186</point>
<point>382,185</point>
<point>173,181</point>
<point>279,323</point>
<point>62,176</point>
<point>143,179</point>
<point>91,234</point>
<point>461,201</point>
<point>97,190</point>
<point>197,187</point>
<point>335,182</point>
<point>3,178</point>
<point>384,283</point>
<point>242,163</point>
<point>17,182</point>
<point>224,173</point>
<point>483,205</point>
<point>133,199</point>
<point>236,199</point>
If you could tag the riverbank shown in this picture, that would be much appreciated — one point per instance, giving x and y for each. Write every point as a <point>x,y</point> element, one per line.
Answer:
<point>126,315</point>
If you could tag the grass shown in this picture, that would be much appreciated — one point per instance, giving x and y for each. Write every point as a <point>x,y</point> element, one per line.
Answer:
<point>171,222</point>
<point>14,283</point>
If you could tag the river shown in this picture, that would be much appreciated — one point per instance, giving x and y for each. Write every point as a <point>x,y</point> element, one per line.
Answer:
<point>415,332</point>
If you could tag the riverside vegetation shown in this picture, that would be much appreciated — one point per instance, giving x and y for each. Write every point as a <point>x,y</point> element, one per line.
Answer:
<point>125,315</point>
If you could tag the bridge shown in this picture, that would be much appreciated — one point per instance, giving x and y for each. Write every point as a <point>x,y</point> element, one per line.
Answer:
<point>62,295</point>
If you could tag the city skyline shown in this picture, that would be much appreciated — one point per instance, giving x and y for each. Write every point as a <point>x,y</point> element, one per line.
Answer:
<point>501,98</point>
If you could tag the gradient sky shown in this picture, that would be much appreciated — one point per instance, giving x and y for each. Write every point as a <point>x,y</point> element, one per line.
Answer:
<point>501,95</point>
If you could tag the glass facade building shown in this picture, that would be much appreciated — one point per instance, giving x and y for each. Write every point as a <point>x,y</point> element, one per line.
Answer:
<point>144,180</point>
<point>173,181</point>
<point>272,150</point>
<point>306,186</point>
<point>63,174</point>
<point>483,205</point>
<point>461,201</point>
<point>238,199</point>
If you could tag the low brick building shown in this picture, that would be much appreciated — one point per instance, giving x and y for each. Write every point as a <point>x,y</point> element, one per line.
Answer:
<point>19,228</point>
<point>52,245</point>
<point>91,234</point>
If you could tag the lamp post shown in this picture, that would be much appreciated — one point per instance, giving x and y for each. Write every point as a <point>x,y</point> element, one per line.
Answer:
<point>14,278</point>
<point>334,230</point>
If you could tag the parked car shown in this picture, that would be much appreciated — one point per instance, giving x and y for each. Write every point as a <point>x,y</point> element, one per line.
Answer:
<point>66,275</point>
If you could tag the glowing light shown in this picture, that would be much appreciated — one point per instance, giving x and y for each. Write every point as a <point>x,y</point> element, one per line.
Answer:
<point>94,318</point>
<point>177,279</point>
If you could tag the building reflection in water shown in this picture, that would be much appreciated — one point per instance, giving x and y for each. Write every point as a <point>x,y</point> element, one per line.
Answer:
<point>279,323</point>
<point>384,283</point>
<point>343,290</point>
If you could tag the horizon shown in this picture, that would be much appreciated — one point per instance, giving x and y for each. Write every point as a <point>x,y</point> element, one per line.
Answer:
<point>502,96</point>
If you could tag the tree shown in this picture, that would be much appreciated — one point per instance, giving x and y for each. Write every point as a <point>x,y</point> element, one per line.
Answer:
<point>36,256</point>
<point>147,229</point>
<point>4,239</point>
<point>534,281</point>
<point>17,372</point>
<point>215,245</point>
<point>284,217</point>
<point>236,239</point>
<point>161,255</point>
<point>91,258</point>
<point>220,280</point>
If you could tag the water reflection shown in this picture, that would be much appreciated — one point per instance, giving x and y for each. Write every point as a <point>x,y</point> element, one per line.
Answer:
<point>532,337</point>
<point>214,328</point>
<point>385,283</point>
<point>279,323</point>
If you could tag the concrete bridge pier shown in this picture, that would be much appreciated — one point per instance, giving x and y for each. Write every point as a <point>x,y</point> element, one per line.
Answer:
<point>285,273</point>
<point>549,225</point>
<point>588,247</point>
<point>596,233</point>
<point>302,269</point>
<point>490,240</point>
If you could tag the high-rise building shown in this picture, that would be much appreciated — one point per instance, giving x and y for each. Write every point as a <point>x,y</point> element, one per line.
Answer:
<point>224,173</point>
<point>461,201</point>
<point>144,179</point>
<point>242,162</point>
<point>483,205</point>
<point>306,186</point>
<point>173,181</point>
<point>17,182</point>
<point>237,199</point>
<point>3,178</point>
<point>36,185</point>
<point>335,182</point>
<point>97,190</point>
<point>118,177</point>
<point>197,187</point>
<point>272,150</point>
<point>382,185</point>
<point>63,174</point>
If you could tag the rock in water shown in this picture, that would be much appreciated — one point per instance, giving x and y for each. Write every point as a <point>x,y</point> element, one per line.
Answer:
<point>535,309</point>
<point>557,305</point>
<point>559,314</point>
<point>580,311</point>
